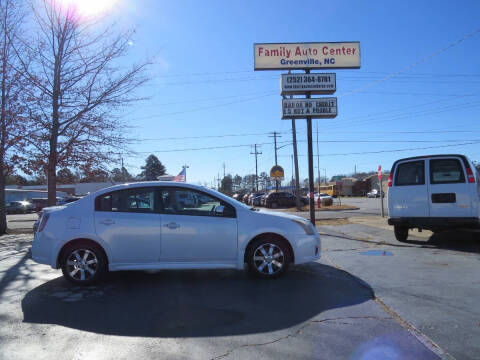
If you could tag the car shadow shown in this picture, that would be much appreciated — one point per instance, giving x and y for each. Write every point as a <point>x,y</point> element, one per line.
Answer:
<point>455,240</point>
<point>194,303</point>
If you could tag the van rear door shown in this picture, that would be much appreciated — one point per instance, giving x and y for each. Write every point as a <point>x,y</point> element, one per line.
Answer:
<point>450,192</point>
<point>408,195</point>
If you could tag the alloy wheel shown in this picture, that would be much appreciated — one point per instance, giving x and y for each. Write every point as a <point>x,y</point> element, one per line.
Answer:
<point>268,259</point>
<point>82,264</point>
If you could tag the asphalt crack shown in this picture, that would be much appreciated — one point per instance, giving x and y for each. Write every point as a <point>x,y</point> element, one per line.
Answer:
<point>299,331</point>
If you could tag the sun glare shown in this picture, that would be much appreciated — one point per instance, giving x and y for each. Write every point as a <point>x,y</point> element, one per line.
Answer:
<point>86,8</point>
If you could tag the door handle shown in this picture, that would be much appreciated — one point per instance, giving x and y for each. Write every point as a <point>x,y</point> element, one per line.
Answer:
<point>107,222</point>
<point>172,225</point>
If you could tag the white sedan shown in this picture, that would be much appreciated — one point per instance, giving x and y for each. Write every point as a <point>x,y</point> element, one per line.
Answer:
<point>144,226</point>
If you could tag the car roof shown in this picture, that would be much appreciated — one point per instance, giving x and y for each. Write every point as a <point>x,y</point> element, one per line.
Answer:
<point>155,184</point>
<point>463,157</point>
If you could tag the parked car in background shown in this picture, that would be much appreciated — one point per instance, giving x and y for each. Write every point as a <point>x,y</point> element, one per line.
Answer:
<point>245,198</point>
<point>110,230</point>
<point>19,207</point>
<point>436,193</point>
<point>325,199</point>
<point>279,199</point>
<point>375,194</point>
<point>255,198</point>
<point>238,196</point>
<point>39,204</point>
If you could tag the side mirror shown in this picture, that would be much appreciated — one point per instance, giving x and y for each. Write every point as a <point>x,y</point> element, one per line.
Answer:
<point>219,210</point>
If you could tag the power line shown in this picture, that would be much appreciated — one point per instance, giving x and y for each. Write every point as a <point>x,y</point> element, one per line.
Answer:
<point>422,60</point>
<point>203,137</point>
<point>397,150</point>
<point>202,108</point>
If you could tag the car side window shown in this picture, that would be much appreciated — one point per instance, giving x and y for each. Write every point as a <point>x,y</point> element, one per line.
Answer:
<point>109,202</point>
<point>130,200</point>
<point>140,200</point>
<point>194,203</point>
<point>410,173</point>
<point>446,171</point>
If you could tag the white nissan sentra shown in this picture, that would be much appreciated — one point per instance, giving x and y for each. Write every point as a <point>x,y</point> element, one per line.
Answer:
<point>165,225</point>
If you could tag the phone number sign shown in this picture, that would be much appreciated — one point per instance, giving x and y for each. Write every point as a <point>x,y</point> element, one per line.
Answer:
<point>324,83</point>
<point>318,108</point>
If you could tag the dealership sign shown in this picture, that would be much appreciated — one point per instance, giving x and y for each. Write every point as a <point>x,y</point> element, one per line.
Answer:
<point>324,83</point>
<point>317,108</point>
<point>332,55</point>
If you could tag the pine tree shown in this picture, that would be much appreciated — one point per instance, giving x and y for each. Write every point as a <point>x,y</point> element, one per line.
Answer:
<point>153,169</point>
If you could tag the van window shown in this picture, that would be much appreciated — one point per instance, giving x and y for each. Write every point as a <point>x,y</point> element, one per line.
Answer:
<point>444,171</point>
<point>410,173</point>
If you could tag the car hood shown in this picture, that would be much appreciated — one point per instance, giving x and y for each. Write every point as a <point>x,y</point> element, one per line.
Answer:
<point>282,215</point>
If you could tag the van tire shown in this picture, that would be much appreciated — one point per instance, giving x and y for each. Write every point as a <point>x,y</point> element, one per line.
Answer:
<point>401,233</point>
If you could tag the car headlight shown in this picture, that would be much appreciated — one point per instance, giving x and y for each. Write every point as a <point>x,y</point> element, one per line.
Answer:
<point>307,227</point>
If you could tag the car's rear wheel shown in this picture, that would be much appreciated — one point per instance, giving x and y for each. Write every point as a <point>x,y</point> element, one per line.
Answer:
<point>83,263</point>
<point>268,257</point>
<point>401,233</point>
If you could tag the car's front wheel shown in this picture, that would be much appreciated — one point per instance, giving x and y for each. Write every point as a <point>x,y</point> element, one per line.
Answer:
<point>268,257</point>
<point>83,263</point>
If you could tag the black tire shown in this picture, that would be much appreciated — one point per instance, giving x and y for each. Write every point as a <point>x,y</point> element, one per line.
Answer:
<point>90,264</point>
<point>401,233</point>
<point>277,252</point>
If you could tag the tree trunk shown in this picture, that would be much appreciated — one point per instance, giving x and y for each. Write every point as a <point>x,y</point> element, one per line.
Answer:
<point>3,215</point>
<point>3,133</point>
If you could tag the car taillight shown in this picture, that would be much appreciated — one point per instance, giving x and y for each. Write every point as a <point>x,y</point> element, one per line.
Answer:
<point>470,176</point>
<point>390,180</point>
<point>43,222</point>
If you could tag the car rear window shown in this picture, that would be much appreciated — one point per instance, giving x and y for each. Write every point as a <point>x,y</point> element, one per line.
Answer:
<point>410,173</point>
<point>445,171</point>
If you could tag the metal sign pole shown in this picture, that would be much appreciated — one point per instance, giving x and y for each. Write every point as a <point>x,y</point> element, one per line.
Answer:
<point>311,184</point>
<point>297,179</point>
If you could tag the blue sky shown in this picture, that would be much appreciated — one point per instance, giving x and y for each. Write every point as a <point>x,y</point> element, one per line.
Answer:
<point>203,83</point>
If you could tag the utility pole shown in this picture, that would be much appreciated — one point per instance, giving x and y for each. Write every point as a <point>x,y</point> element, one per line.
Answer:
<point>275,135</point>
<point>218,181</point>
<point>224,169</point>
<point>256,153</point>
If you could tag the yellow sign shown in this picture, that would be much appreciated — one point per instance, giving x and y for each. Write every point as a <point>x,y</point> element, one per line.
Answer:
<point>277,172</point>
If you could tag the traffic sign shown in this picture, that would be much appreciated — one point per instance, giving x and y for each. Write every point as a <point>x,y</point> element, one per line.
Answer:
<point>379,172</point>
<point>324,83</point>
<point>317,108</point>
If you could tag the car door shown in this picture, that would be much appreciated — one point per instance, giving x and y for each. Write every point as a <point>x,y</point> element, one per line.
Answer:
<point>450,193</point>
<point>408,196</point>
<point>129,222</point>
<point>195,232</point>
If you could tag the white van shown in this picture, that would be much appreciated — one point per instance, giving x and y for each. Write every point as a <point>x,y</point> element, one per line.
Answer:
<point>433,192</point>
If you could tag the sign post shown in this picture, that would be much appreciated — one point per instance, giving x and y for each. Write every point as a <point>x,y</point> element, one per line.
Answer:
<point>308,56</point>
<point>381,188</point>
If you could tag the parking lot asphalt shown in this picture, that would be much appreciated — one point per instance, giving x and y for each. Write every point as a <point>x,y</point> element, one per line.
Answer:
<point>430,283</point>
<point>315,311</point>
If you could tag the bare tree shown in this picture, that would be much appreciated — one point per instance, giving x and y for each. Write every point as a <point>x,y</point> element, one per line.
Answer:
<point>80,83</point>
<point>12,92</point>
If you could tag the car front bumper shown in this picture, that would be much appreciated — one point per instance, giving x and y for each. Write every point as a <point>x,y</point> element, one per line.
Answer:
<point>307,248</point>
